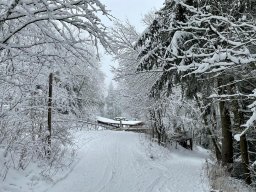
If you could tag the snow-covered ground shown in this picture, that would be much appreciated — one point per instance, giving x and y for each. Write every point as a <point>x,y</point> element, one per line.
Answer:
<point>109,161</point>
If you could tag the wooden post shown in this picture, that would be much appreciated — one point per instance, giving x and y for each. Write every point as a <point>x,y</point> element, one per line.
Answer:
<point>49,134</point>
<point>121,125</point>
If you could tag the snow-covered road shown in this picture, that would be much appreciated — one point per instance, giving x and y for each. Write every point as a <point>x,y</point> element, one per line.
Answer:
<point>125,162</point>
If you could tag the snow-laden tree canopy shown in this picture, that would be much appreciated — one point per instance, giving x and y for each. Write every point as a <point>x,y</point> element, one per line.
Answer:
<point>208,48</point>
<point>38,38</point>
<point>190,39</point>
<point>133,86</point>
<point>59,16</point>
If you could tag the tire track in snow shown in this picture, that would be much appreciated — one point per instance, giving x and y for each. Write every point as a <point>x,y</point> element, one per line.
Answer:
<point>111,161</point>
<point>74,164</point>
<point>118,162</point>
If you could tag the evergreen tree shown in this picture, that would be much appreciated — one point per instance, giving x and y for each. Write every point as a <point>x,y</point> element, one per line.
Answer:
<point>206,49</point>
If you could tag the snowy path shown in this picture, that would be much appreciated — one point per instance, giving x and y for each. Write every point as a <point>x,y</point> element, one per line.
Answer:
<point>120,162</point>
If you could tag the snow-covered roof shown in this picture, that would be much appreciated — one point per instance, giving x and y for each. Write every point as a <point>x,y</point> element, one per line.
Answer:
<point>131,122</point>
<point>111,121</point>
<point>106,120</point>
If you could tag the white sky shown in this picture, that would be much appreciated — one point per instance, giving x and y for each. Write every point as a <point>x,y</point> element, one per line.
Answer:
<point>133,10</point>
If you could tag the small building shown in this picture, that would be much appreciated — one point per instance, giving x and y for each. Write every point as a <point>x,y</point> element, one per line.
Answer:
<point>119,123</point>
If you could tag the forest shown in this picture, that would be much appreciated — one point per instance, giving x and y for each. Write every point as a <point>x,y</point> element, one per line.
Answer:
<point>191,73</point>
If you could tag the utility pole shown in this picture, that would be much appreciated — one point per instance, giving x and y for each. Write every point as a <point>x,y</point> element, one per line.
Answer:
<point>49,133</point>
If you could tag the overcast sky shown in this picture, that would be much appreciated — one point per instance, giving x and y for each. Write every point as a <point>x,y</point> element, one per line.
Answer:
<point>133,10</point>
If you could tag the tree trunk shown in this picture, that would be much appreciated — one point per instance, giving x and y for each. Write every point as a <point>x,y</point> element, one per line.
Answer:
<point>153,123</point>
<point>227,139</point>
<point>245,159</point>
<point>49,134</point>
<point>215,141</point>
<point>158,125</point>
<point>212,136</point>
<point>238,121</point>
<point>158,137</point>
